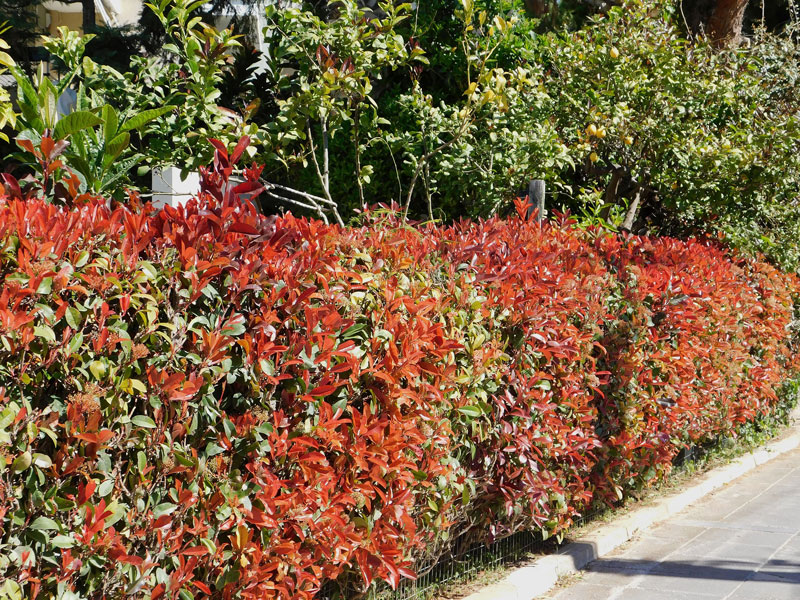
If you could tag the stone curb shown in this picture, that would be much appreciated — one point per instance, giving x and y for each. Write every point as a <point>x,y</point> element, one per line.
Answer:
<point>532,581</point>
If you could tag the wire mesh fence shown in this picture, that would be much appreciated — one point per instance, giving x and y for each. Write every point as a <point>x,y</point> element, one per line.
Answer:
<point>464,567</point>
<point>461,568</point>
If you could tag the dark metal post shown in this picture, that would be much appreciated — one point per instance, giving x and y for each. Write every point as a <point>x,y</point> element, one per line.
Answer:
<point>89,16</point>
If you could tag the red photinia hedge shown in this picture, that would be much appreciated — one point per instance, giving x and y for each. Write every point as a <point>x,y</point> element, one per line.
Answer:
<point>208,402</point>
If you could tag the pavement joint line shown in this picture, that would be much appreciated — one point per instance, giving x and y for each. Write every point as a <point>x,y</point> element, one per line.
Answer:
<point>532,581</point>
<point>761,493</point>
<point>761,566</point>
<point>632,583</point>
<point>725,526</point>
<point>706,526</point>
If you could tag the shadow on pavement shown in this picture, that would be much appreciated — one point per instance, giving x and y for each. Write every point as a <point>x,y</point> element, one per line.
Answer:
<point>720,569</point>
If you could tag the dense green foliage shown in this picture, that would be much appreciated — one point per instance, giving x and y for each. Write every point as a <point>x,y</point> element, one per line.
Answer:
<point>157,113</point>
<point>451,108</point>
<point>700,136</point>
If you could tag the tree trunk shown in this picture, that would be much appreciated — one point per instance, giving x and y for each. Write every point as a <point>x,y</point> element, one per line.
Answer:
<point>630,217</point>
<point>537,8</point>
<point>725,23</point>
<point>89,16</point>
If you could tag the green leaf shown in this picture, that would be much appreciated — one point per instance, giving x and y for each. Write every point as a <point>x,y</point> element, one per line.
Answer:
<point>234,326</point>
<point>49,433</point>
<point>119,511</point>
<point>29,101</point>
<point>143,118</point>
<point>121,170</point>
<point>267,367</point>
<point>75,122</point>
<point>75,342</point>
<point>6,60</point>
<point>105,488</point>
<point>353,331</point>
<point>11,590</point>
<point>115,147</point>
<point>62,541</point>
<point>47,101</point>
<point>111,123</point>
<point>185,594</point>
<point>83,259</point>
<point>73,317</point>
<point>143,421</point>
<point>471,411</point>
<point>165,508</point>
<point>42,461</point>
<point>98,369</point>
<point>22,462</point>
<point>44,524</point>
<point>339,405</point>
<point>136,385</point>
<point>7,417</point>
<point>45,286</point>
<point>45,332</point>
<point>66,79</point>
<point>213,449</point>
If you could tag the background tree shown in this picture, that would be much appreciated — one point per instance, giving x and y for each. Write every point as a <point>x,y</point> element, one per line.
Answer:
<point>724,21</point>
<point>22,28</point>
<point>727,19</point>
<point>721,20</point>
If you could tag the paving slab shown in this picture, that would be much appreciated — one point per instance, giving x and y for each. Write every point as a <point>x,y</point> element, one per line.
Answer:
<point>741,542</point>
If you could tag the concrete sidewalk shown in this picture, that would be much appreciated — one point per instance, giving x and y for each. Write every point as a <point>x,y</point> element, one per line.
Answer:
<point>739,543</point>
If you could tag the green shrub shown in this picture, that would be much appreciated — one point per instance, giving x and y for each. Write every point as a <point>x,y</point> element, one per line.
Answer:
<point>207,401</point>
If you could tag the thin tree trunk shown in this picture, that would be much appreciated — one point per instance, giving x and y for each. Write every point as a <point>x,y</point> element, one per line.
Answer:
<point>89,16</point>
<point>537,8</point>
<point>326,171</point>
<point>427,182</point>
<point>356,122</point>
<point>613,187</point>
<point>630,217</point>
<point>725,23</point>
<point>423,162</point>
<point>418,171</point>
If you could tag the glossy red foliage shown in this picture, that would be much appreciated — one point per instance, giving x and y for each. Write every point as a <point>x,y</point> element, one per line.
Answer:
<point>210,402</point>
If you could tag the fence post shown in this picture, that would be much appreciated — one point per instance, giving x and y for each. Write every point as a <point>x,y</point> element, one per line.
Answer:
<point>536,191</point>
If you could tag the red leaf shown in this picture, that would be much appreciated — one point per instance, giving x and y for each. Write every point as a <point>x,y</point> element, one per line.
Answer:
<point>162,521</point>
<point>202,587</point>
<point>239,227</point>
<point>323,390</point>
<point>158,591</point>
<point>244,142</point>
<point>85,491</point>
<point>220,147</point>
<point>253,188</point>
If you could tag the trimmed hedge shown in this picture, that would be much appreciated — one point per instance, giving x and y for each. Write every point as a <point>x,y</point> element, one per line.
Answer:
<point>210,402</point>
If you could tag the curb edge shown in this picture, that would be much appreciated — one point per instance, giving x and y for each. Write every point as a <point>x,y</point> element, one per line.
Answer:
<point>531,581</point>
